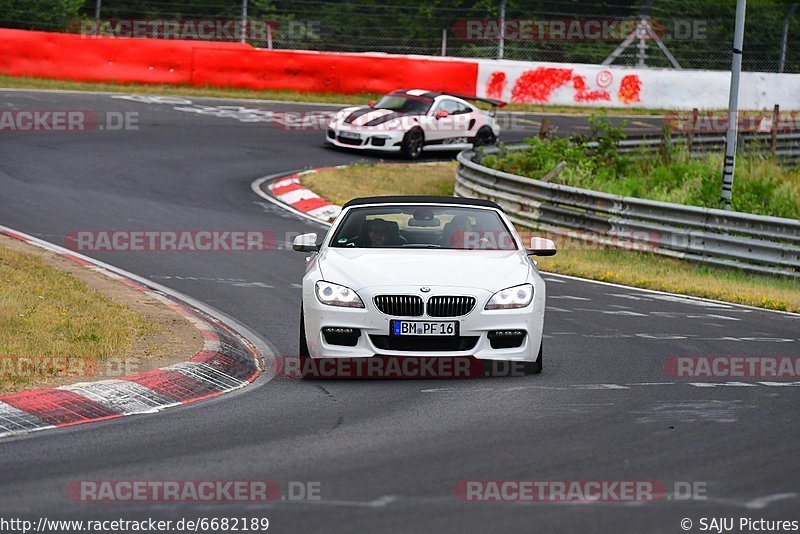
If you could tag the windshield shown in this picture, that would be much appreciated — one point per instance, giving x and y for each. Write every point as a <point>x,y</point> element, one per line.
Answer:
<point>423,226</point>
<point>405,103</point>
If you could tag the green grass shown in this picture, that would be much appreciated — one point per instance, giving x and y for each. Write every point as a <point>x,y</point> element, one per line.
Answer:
<point>638,269</point>
<point>45,312</point>
<point>761,185</point>
<point>292,96</point>
<point>362,180</point>
<point>650,271</point>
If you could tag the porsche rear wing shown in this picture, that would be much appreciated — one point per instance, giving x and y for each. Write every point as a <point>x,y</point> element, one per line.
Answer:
<point>491,101</point>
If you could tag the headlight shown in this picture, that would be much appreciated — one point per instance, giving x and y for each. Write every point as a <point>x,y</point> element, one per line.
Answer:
<point>336,295</point>
<point>511,297</point>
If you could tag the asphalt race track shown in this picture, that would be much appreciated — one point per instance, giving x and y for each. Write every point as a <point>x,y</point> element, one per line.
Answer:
<point>387,453</point>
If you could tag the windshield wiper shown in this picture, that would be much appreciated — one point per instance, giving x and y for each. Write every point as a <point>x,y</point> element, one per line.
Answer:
<point>421,245</point>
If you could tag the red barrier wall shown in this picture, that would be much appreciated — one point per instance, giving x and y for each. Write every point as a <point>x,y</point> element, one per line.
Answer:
<point>202,63</point>
<point>321,72</point>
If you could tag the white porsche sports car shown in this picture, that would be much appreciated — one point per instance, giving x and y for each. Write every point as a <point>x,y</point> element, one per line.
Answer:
<point>413,121</point>
<point>423,276</point>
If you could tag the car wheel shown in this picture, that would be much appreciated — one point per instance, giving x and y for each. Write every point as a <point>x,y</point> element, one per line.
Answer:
<point>412,145</point>
<point>302,354</point>
<point>303,345</point>
<point>534,368</point>
<point>484,137</point>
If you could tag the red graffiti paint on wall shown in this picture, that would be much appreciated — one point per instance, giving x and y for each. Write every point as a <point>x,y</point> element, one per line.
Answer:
<point>584,94</point>
<point>629,89</point>
<point>538,85</point>
<point>496,85</point>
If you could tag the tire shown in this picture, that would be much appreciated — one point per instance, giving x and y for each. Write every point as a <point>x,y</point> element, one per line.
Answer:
<point>534,368</point>
<point>484,137</point>
<point>303,344</point>
<point>413,141</point>
<point>302,353</point>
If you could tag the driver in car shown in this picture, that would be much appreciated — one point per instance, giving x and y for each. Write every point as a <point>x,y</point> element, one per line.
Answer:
<point>378,231</point>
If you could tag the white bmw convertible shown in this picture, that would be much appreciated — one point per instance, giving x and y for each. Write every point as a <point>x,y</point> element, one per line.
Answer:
<point>423,276</point>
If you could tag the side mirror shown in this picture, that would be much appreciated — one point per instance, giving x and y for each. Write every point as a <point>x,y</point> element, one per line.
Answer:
<point>441,114</point>
<point>306,243</point>
<point>541,246</point>
<point>371,103</point>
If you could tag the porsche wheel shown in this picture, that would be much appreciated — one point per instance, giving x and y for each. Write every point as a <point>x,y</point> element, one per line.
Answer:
<point>485,137</point>
<point>412,145</point>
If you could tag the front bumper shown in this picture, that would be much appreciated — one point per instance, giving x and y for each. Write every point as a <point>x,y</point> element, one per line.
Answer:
<point>474,328</point>
<point>379,140</point>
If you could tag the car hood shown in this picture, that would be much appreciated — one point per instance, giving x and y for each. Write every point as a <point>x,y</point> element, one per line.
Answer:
<point>365,117</point>
<point>358,268</point>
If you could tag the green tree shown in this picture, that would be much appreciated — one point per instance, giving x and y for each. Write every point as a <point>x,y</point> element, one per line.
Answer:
<point>49,15</point>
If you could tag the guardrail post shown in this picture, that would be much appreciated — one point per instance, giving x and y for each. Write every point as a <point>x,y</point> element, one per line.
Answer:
<point>544,129</point>
<point>773,143</point>
<point>690,133</point>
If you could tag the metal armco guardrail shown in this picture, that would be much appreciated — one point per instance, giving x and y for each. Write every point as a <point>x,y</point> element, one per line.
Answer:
<point>786,149</point>
<point>767,245</point>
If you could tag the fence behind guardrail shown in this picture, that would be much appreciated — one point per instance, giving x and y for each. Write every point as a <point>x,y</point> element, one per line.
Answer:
<point>696,34</point>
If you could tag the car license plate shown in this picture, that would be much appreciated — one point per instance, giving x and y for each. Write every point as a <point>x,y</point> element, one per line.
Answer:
<point>423,328</point>
<point>349,135</point>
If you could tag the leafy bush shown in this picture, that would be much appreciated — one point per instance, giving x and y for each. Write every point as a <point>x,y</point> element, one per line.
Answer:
<point>607,136</point>
<point>583,161</point>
